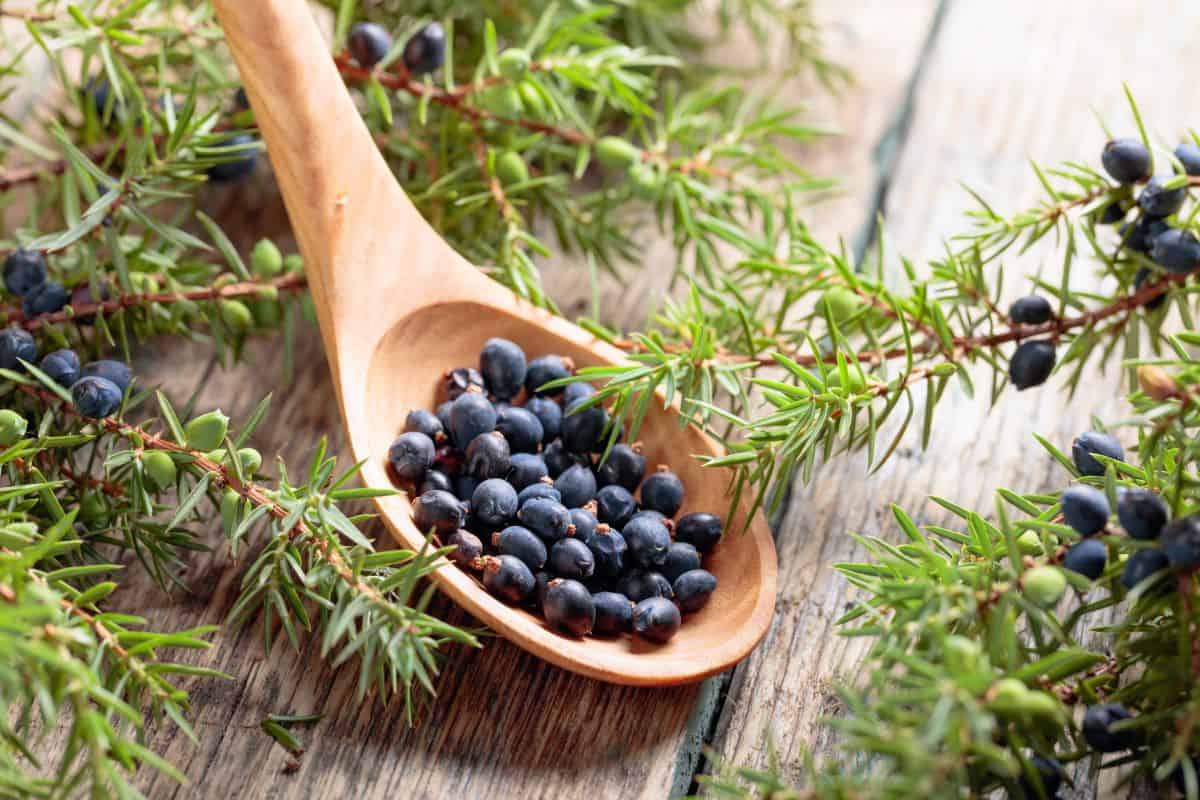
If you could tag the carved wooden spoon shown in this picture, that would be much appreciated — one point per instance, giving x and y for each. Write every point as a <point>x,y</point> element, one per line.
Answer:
<point>398,306</point>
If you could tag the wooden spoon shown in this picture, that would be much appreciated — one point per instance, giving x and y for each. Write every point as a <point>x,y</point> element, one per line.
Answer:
<point>398,307</point>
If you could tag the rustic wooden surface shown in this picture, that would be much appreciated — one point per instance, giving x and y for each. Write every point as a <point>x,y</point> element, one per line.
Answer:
<point>946,90</point>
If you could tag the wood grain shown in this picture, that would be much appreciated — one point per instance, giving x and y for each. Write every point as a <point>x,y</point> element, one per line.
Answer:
<point>1004,83</point>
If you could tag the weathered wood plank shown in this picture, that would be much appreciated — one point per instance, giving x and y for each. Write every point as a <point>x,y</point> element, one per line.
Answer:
<point>1005,82</point>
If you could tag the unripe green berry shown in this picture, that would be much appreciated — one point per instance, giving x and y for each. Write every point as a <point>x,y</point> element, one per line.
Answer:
<point>229,508</point>
<point>12,427</point>
<point>1029,544</point>
<point>267,313</point>
<point>510,168</point>
<point>266,293</point>
<point>250,459</point>
<point>646,180</point>
<point>1007,697</point>
<point>1040,704</point>
<point>839,303</point>
<point>513,63</point>
<point>613,152</point>
<point>160,469</point>
<point>531,98</point>
<point>505,100</point>
<point>293,262</point>
<point>143,283</point>
<point>1044,586</point>
<point>236,315</point>
<point>962,655</point>
<point>265,259</point>
<point>207,431</point>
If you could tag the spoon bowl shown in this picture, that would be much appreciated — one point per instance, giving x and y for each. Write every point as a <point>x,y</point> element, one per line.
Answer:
<point>398,306</point>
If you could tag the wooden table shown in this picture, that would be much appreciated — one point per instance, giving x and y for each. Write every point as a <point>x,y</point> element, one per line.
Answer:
<point>947,90</point>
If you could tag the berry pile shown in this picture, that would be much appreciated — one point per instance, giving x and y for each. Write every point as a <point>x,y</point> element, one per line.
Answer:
<point>510,474</point>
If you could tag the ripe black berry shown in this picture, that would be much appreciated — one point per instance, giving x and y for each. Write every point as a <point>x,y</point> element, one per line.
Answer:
<point>648,540</point>
<point>1113,213</point>
<point>700,529</point>
<point>467,549</point>
<point>577,486</point>
<point>1189,157</point>
<point>539,489</point>
<point>368,43</point>
<point>24,271</point>
<point>426,50</point>
<point>549,413</point>
<point>558,459</point>
<point>1086,509</point>
<point>1031,364</point>
<point>1141,565</point>
<point>1175,250</point>
<point>62,367</point>
<point>242,164</point>
<point>436,479</point>
<point>640,584</point>
<point>459,380</point>
<point>1087,558</point>
<point>585,522</point>
<point>574,392</point>
<point>521,542</point>
<point>693,589</point>
<point>624,466</point>
<point>425,422</point>
<point>583,428</point>
<point>502,364</point>
<point>615,506</point>
<point>663,492</point>
<point>1050,774</point>
<point>568,607</point>
<point>1126,160</point>
<point>608,549</point>
<point>656,619</point>
<point>681,557</point>
<point>571,558</point>
<point>1097,726</point>
<point>544,369</point>
<point>16,345</point>
<point>526,469</point>
<point>411,455</point>
<point>1139,237</point>
<point>488,456</point>
<point>1181,542</point>
<point>521,428</point>
<point>494,503</point>
<point>1090,442</point>
<point>470,416</point>
<point>1030,310</point>
<point>96,397</point>
<point>48,298</point>
<point>614,613</point>
<point>546,518</point>
<point>116,371</point>
<point>508,578</point>
<point>443,415</point>
<point>1141,512</point>
<point>465,486</point>
<point>1139,280</point>
<point>437,511</point>
<point>1156,200</point>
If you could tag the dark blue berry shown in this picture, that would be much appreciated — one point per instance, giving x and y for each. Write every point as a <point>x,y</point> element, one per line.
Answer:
<point>1090,442</point>
<point>574,392</point>
<point>368,43</point>
<point>568,607</point>
<point>1031,364</point>
<point>1143,275</point>
<point>1156,200</point>
<point>526,469</point>
<point>494,503</point>
<point>1098,722</point>
<point>546,518</point>
<point>656,619</point>
<point>467,549</point>
<point>115,371</point>
<point>1126,160</point>
<point>240,101</point>
<point>508,578</point>
<point>615,506</point>
<point>1181,542</point>
<point>614,613</point>
<point>1175,250</point>
<point>100,92</point>
<point>470,416</point>
<point>502,364</point>
<point>465,486</point>
<point>96,397</point>
<point>541,584</point>
<point>648,540</point>
<point>436,479</point>
<point>48,298</point>
<point>539,489</point>
<point>693,589</point>
<point>521,428</point>
<point>1086,509</point>
<point>544,369</point>
<point>681,557</point>
<point>488,456</point>
<point>549,413</point>
<point>241,163</point>
<point>443,415</point>
<point>425,51</point>
<point>639,584</point>
<point>585,522</point>
<point>1030,310</point>
<point>701,529</point>
<point>583,428</point>
<point>571,558</point>
<point>1087,558</point>
<point>577,486</point>
<point>522,543</point>
<point>16,345</point>
<point>1189,157</point>
<point>1141,512</point>
<point>663,492</point>
<point>411,456</point>
<point>24,271</point>
<point>425,422</point>
<point>558,459</point>
<point>460,380</point>
<point>608,548</point>
<point>1112,213</point>
<point>1141,565</point>
<point>1049,778</point>
<point>437,511</point>
<point>624,466</point>
<point>62,367</point>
